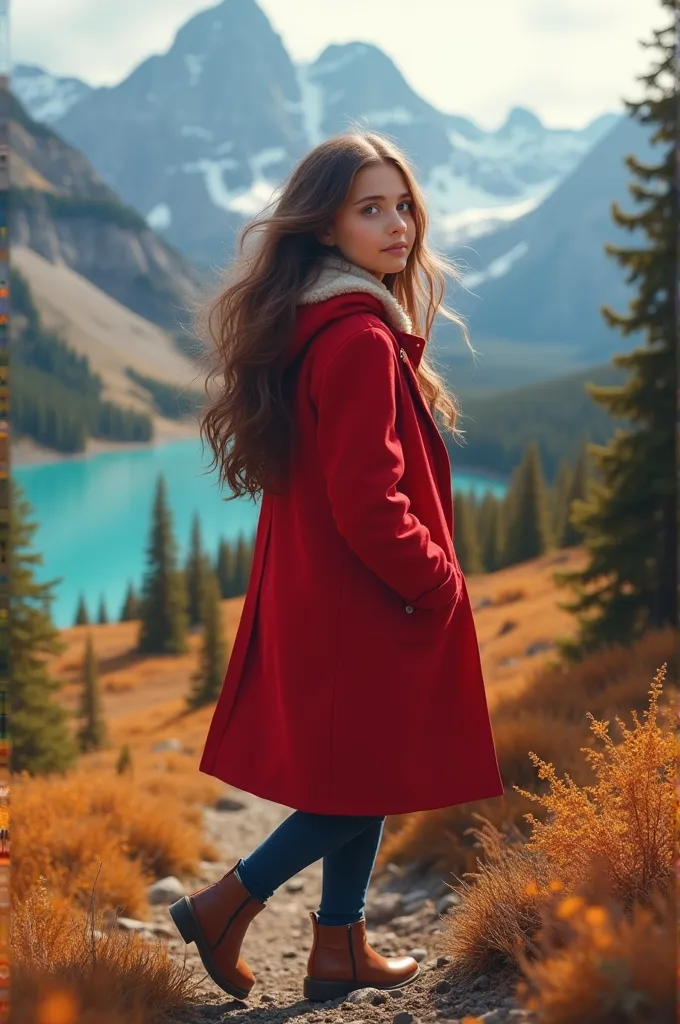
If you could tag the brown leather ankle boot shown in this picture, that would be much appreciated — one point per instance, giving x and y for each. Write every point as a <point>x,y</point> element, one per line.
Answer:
<point>216,918</point>
<point>341,960</point>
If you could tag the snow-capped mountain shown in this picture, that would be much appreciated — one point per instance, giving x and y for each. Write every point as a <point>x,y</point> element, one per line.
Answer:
<point>44,96</point>
<point>198,138</point>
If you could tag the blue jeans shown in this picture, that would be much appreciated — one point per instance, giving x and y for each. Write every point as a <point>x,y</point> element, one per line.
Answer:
<point>348,846</point>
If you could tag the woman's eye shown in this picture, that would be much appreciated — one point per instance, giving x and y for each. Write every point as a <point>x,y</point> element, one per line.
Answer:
<point>372,206</point>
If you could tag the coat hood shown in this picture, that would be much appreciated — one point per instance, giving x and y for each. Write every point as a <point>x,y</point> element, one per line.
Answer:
<point>342,288</point>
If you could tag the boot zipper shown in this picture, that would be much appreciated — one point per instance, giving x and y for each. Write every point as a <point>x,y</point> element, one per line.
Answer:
<point>351,952</point>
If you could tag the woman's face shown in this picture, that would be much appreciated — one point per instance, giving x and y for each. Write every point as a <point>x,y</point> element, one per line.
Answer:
<point>377,214</point>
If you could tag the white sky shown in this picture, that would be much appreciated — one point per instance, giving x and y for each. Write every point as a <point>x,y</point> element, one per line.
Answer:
<point>567,60</point>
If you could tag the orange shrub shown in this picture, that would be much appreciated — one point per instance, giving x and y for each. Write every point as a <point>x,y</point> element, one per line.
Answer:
<point>606,969</point>
<point>64,827</point>
<point>70,967</point>
<point>616,837</point>
<point>550,718</point>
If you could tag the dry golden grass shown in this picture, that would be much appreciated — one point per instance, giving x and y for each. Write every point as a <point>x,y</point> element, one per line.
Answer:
<point>68,967</point>
<point>63,828</point>
<point>608,968</point>
<point>549,717</point>
<point>614,837</point>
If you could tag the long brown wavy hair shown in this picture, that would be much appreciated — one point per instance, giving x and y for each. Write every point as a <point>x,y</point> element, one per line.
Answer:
<point>249,322</point>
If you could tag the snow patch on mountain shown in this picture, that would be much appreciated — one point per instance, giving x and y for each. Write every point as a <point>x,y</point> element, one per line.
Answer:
<point>45,96</point>
<point>497,267</point>
<point>160,217</point>
<point>194,64</point>
<point>310,106</point>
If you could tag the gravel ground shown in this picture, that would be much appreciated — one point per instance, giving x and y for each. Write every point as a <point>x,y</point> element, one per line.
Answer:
<point>404,916</point>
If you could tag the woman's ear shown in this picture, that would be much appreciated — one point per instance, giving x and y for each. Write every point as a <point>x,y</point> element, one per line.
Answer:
<point>326,236</point>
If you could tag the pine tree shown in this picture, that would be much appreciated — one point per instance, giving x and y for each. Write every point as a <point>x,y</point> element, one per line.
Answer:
<point>130,610</point>
<point>578,491</point>
<point>529,533</point>
<point>466,538</point>
<point>124,762</point>
<point>242,566</point>
<point>92,733</point>
<point>491,532</point>
<point>41,740</point>
<point>195,572</point>
<point>82,618</point>
<point>163,619</point>
<point>225,568</point>
<point>628,521</point>
<point>559,500</point>
<point>102,617</point>
<point>210,675</point>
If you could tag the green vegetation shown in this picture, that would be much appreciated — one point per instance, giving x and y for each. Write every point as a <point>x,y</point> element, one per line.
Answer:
<point>39,728</point>
<point>163,626</point>
<point>56,398</point>
<point>168,399</point>
<point>628,517</point>
<point>92,732</point>
<point>207,681</point>
<point>555,413</point>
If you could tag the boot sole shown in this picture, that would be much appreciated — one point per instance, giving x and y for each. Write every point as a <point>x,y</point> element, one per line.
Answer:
<point>318,991</point>
<point>185,921</point>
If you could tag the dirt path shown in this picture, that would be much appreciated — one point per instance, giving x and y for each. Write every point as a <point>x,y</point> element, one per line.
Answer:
<point>402,918</point>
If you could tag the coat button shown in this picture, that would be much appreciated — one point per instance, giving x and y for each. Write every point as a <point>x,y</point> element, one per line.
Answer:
<point>402,353</point>
<point>408,608</point>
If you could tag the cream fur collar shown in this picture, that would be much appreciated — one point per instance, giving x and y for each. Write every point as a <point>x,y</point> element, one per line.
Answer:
<point>339,277</point>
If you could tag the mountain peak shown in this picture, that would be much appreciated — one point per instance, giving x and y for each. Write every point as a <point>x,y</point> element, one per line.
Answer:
<point>520,118</point>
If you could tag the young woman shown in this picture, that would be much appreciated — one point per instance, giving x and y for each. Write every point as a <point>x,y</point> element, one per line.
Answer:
<point>354,688</point>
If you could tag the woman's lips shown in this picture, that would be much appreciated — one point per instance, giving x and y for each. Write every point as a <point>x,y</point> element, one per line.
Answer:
<point>398,249</point>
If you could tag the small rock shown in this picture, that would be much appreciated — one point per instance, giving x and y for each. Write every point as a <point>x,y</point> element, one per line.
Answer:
<point>538,647</point>
<point>172,744</point>
<point>481,983</point>
<point>166,890</point>
<point>403,1017</point>
<point>266,998</point>
<point>228,803</point>
<point>384,907</point>
<point>446,902</point>
<point>163,929</point>
<point>444,961</point>
<point>492,1017</point>
<point>294,885</point>
<point>418,954</point>
<point>129,924</point>
<point>289,954</point>
<point>397,993</point>
<point>444,986</point>
<point>363,995</point>
<point>404,923</point>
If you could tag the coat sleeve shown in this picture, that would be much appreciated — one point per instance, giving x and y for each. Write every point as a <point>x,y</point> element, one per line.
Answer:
<point>363,462</point>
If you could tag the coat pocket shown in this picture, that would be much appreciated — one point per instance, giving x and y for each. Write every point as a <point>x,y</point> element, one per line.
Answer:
<point>420,626</point>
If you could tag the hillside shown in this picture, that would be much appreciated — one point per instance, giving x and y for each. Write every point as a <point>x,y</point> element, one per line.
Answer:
<point>556,413</point>
<point>62,210</point>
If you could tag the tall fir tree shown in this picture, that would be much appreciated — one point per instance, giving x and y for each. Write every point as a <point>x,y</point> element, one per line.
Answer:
<point>629,518</point>
<point>243,561</point>
<point>491,532</point>
<point>163,615</point>
<point>195,571</point>
<point>569,535</point>
<point>130,609</point>
<point>529,532</point>
<point>466,537</point>
<point>225,568</point>
<point>39,727</point>
<point>207,681</point>
<point>92,733</point>
<point>82,618</point>
<point>102,615</point>
<point>559,499</point>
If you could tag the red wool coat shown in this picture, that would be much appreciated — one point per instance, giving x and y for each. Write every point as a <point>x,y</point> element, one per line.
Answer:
<point>354,684</point>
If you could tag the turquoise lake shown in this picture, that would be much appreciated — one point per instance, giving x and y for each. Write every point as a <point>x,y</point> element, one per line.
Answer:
<point>94,514</point>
